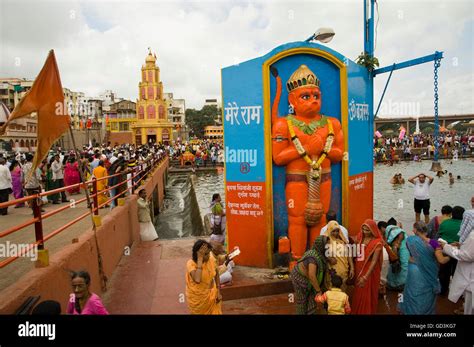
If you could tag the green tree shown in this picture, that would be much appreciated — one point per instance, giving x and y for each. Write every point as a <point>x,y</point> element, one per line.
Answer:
<point>197,120</point>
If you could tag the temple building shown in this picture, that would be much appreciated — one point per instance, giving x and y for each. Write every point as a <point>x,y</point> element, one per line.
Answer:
<point>152,124</point>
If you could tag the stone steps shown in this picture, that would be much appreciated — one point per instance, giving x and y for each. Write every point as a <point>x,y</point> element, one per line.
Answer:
<point>250,282</point>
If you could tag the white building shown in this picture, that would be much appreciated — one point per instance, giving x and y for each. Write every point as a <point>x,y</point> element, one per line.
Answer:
<point>108,98</point>
<point>216,103</point>
<point>177,116</point>
<point>212,102</point>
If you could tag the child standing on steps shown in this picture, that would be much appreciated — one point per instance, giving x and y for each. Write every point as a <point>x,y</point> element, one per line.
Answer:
<point>336,299</point>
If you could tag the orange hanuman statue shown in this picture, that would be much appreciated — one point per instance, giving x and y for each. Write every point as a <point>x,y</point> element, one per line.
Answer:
<point>306,142</point>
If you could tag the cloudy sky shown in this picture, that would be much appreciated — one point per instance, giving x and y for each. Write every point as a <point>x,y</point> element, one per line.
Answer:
<point>102,44</point>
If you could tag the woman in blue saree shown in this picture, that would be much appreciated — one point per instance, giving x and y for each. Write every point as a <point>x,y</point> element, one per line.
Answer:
<point>422,284</point>
<point>396,238</point>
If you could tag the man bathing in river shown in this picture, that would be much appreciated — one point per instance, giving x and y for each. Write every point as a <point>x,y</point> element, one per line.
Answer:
<point>422,195</point>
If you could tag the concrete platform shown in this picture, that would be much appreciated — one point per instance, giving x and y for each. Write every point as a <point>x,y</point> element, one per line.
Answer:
<point>151,279</point>
<point>251,282</point>
<point>12,272</point>
<point>270,304</point>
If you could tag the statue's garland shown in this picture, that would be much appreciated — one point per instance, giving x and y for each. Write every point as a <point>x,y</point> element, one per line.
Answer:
<point>315,165</point>
<point>313,211</point>
<point>309,129</point>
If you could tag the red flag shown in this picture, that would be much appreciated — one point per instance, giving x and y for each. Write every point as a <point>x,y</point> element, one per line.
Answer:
<point>46,98</point>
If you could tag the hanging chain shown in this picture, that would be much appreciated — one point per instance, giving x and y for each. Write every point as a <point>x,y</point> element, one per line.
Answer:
<point>437,64</point>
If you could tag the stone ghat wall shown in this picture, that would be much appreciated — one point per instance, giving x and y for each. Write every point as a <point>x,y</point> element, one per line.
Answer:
<point>119,230</point>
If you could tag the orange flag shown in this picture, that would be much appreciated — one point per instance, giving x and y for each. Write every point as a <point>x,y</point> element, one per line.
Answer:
<point>46,98</point>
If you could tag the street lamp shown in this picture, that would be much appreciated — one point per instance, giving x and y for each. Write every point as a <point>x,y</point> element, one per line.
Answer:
<point>323,35</point>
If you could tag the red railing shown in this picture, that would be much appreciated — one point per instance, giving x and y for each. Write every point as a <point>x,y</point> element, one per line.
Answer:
<point>138,174</point>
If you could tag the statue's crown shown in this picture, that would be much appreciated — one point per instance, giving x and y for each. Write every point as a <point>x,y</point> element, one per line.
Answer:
<point>302,77</point>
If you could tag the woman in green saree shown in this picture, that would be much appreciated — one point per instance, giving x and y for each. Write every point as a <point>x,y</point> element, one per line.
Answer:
<point>310,276</point>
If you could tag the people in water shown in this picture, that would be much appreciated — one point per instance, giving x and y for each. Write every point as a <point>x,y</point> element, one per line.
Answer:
<point>397,179</point>
<point>451,179</point>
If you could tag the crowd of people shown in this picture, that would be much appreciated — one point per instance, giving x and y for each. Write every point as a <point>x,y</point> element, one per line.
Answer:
<point>418,146</point>
<point>337,275</point>
<point>436,259</point>
<point>204,152</point>
<point>63,168</point>
<point>344,275</point>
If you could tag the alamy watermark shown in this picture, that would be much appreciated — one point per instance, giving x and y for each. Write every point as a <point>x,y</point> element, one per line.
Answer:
<point>240,155</point>
<point>395,108</point>
<point>25,250</point>
<point>345,250</point>
<point>37,330</point>
<point>80,108</point>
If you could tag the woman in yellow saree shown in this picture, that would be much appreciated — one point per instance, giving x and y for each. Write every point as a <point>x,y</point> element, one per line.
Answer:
<point>339,250</point>
<point>100,172</point>
<point>202,290</point>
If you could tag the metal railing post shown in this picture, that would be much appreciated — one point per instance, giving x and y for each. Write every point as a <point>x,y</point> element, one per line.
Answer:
<point>96,198</point>
<point>133,179</point>
<point>38,223</point>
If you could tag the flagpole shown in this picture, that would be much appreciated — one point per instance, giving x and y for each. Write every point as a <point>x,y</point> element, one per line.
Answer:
<point>102,275</point>
<point>100,134</point>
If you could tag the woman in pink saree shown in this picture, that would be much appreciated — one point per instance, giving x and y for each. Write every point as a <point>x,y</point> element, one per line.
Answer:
<point>17,184</point>
<point>71,175</point>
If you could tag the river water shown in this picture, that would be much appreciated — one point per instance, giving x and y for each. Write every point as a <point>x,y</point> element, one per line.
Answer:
<point>180,215</point>
<point>188,196</point>
<point>397,200</point>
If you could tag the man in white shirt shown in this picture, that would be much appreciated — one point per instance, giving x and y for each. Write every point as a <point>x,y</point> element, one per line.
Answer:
<point>422,195</point>
<point>95,162</point>
<point>5,185</point>
<point>31,180</point>
<point>429,150</point>
<point>330,216</point>
<point>58,177</point>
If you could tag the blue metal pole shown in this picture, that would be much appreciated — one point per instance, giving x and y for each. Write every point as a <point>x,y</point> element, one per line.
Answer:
<point>383,94</point>
<point>408,63</point>
<point>371,28</point>
<point>369,50</point>
<point>366,49</point>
